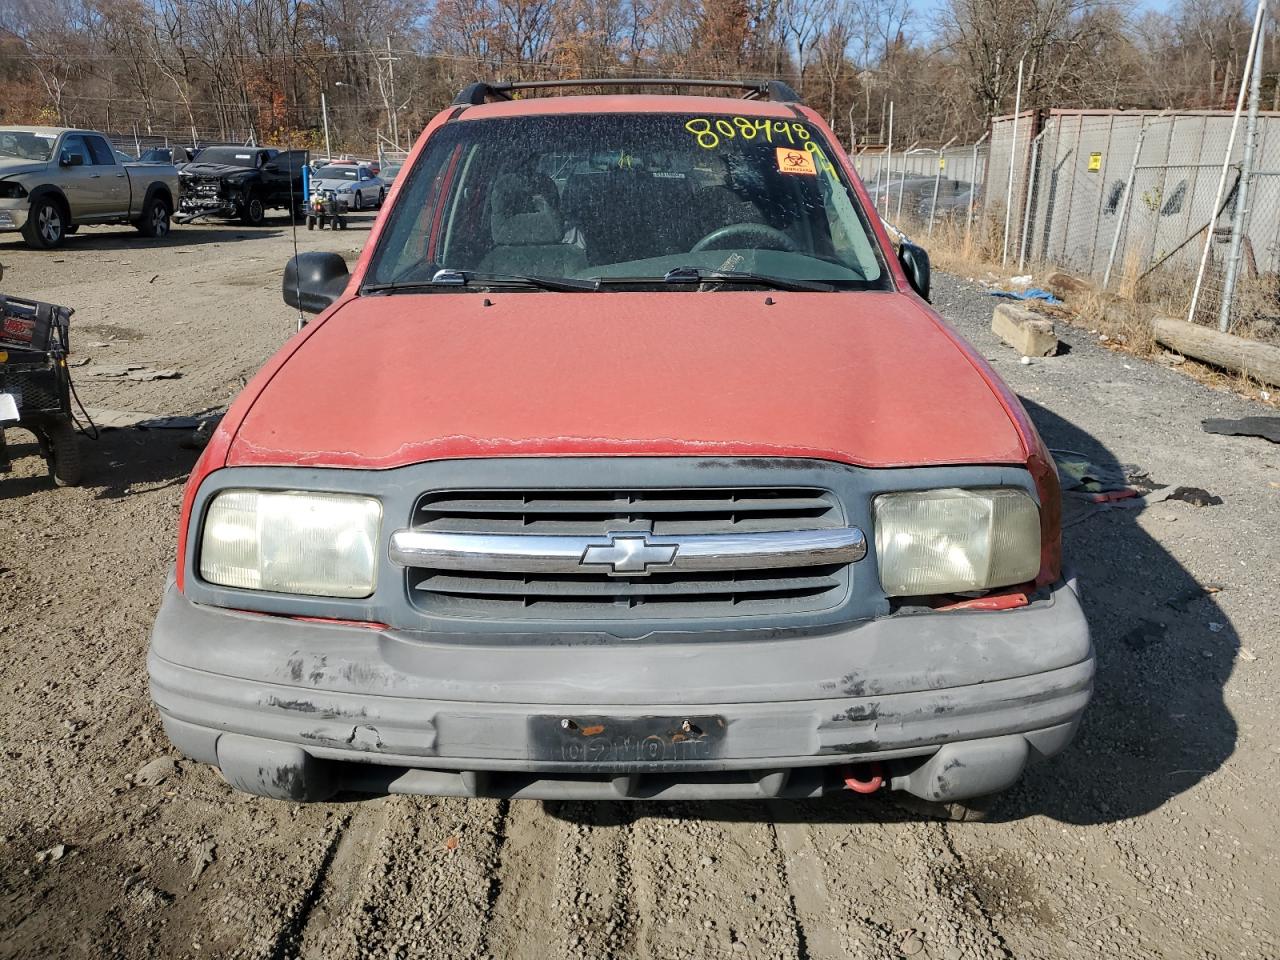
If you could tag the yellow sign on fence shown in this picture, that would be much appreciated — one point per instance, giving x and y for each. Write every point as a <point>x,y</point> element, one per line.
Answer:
<point>1095,162</point>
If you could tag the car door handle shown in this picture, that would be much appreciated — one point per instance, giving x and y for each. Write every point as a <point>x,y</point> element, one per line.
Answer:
<point>94,176</point>
<point>119,176</point>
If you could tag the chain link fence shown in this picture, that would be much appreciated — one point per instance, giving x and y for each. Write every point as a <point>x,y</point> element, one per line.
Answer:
<point>925,186</point>
<point>1135,201</point>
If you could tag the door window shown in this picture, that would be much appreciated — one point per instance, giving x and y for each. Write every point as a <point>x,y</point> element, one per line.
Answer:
<point>103,155</point>
<point>74,145</point>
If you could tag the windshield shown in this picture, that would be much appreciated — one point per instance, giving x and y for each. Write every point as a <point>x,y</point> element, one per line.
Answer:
<point>628,196</point>
<point>232,156</point>
<point>336,172</point>
<point>26,145</point>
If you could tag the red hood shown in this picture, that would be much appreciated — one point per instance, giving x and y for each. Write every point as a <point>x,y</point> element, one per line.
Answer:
<point>863,378</point>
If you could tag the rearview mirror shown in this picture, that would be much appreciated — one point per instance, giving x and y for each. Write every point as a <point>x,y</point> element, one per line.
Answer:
<point>313,281</point>
<point>915,263</point>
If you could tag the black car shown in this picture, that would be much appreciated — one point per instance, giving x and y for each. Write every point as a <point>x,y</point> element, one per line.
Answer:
<point>177,155</point>
<point>243,183</point>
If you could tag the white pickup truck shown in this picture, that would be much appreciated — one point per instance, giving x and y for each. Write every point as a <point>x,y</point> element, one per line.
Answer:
<point>53,179</point>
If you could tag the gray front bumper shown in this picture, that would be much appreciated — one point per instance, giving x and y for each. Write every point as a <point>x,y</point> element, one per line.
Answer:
<point>954,704</point>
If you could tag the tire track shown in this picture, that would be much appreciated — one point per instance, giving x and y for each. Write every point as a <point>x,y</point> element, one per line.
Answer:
<point>428,884</point>
<point>520,887</point>
<point>898,886</point>
<point>708,884</point>
<point>593,882</point>
<point>810,903</point>
<point>327,929</point>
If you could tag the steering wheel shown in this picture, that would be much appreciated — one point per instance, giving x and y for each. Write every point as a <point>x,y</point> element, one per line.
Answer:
<point>759,235</point>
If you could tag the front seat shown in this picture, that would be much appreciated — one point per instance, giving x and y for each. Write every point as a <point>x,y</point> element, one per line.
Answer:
<point>528,231</point>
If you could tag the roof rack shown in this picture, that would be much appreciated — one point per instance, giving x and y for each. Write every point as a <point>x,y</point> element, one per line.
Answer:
<point>773,90</point>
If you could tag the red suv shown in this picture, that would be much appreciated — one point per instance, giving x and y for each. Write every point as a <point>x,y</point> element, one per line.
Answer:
<point>628,462</point>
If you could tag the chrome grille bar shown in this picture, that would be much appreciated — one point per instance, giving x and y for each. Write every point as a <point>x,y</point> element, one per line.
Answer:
<point>625,554</point>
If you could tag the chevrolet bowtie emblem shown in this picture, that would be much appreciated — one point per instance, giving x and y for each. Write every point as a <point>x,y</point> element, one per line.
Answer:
<point>629,556</point>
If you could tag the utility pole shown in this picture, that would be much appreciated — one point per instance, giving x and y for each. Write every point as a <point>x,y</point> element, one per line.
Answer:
<point>324,112</point>
<point>391,78</point>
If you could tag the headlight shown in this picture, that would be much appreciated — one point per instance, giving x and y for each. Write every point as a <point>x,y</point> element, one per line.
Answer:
<point>12,190</point>
<point>320,544</point>
<point>951,541</point>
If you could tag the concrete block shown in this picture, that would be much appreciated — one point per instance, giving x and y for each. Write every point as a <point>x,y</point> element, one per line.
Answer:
<point>1027,332</point>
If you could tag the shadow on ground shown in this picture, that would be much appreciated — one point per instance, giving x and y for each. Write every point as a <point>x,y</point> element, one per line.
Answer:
<point>118,464</point>
<point>1157,724</point>
<point>123,241</point>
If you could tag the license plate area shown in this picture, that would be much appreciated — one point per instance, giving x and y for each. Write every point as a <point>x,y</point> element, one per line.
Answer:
<point>626,741</point>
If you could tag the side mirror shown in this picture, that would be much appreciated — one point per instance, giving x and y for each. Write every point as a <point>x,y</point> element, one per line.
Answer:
<point>915,263</point>
<point>69,159</point>
<point>272,168</point>
<point>313,281</point>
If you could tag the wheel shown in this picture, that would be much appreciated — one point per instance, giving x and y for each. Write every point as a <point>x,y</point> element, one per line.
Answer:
<point>756,235</point>
<point>46,227</point>
<point>342,224</point>
<point>972,810</point>
<point>382,197</point>
<point>253,213</point>
<point>155,219</point>
<point>311,223</point>
<point>359,201</point>
<point>64,454</point>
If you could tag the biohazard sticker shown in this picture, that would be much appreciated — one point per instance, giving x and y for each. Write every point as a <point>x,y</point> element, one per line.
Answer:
<point>796,161</point>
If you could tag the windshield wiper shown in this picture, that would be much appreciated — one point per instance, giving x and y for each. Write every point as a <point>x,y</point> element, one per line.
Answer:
<point>694,275</point>
<point>460,278</point>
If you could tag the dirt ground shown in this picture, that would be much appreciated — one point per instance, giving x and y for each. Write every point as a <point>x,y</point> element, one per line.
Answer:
<point>1155,835</point>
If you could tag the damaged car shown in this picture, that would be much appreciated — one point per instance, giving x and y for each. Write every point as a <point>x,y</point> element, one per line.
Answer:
<point>629,461</point>
<point>242,183</point>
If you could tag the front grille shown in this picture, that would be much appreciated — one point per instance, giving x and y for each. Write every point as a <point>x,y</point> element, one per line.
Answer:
<point>203,186</point>
<point>597,595</point>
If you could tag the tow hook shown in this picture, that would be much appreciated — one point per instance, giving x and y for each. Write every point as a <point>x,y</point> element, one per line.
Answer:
<point>864,778</point>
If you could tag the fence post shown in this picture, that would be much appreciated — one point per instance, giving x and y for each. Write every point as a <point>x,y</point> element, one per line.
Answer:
<point>1013,149</point>
<point>902,180</point>
<point>1240,217</point>
<point>888,161</point>
<point>973,184</point>
<point>1031,184</point>
<point>1226,163</point>
<point>937,179</point>
<point>1123,211</point>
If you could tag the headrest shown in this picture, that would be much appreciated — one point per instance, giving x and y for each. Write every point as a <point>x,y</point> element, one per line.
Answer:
<point>524,229</point>
<point>525,209</point>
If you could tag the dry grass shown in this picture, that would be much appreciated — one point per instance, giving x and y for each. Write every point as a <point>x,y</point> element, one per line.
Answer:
<point>1122,319</point>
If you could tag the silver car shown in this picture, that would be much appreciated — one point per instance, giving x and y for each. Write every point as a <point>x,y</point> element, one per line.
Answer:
<point>353,180</point>
<point>53,180</point>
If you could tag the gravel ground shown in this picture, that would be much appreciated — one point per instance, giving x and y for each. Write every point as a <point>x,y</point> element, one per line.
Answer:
<point>1155,835</point>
